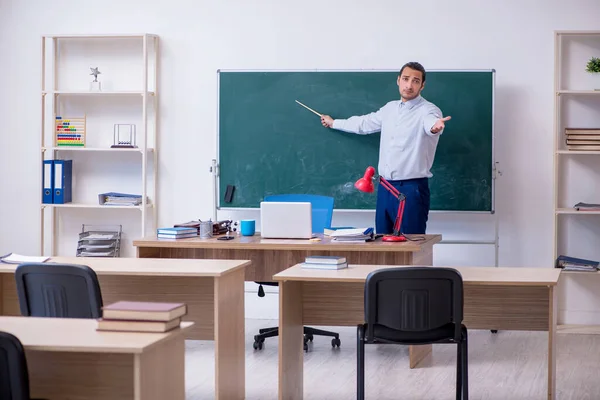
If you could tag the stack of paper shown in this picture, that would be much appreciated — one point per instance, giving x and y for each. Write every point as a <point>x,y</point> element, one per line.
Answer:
<point>13,258</point>
<point>119,199</point>
<point>352,235</point>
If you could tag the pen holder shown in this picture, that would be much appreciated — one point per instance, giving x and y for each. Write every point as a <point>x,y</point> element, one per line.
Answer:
<point>206,229</point>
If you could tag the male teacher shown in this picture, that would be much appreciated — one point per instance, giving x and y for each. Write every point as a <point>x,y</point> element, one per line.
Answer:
<point>410,130</point>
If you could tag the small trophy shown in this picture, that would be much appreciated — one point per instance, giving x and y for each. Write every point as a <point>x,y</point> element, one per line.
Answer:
<point>95,85</point>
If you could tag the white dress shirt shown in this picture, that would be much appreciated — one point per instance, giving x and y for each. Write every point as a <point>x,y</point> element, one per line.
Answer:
<point>407,146</point>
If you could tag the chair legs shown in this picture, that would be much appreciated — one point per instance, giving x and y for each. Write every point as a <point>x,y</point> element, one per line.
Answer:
<point>308,336</point>
<point>360,362</point>
<point>465,364</point>
<point>262,335</point>
<point>462,367</point>
<point>459,370</point>
<point>309,332</point>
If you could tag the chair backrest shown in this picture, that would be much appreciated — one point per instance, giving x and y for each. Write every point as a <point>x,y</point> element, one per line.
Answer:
<point>14,377</point>
<point>58,290</point>
<point>414,299</point>
<point>322,208</point>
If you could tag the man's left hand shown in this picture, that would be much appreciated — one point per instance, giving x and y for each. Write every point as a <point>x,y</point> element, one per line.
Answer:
<point>439,124</point>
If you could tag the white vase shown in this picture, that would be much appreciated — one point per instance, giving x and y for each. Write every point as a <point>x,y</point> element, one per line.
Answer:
<point>596,81</point>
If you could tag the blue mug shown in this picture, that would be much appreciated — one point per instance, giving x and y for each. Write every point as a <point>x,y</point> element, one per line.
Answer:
<point>247,227</point>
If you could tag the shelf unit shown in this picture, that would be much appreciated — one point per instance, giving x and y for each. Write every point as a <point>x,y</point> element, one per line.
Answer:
<point>576,105</point>
<point>570,86</point>
<point>55,90</point>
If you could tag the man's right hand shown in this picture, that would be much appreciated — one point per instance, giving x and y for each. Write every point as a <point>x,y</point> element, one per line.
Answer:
<point>327,121</point>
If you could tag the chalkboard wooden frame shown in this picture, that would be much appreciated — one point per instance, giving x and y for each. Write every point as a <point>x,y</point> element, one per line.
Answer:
<point>219,185</point>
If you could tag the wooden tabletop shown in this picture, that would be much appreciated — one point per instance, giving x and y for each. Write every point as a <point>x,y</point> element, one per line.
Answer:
<point>257,242</point>
<point>148,266</point>
<point>80,335</point>
<point>471,275</point>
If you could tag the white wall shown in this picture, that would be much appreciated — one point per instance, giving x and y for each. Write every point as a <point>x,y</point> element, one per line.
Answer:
<point>197,38</point>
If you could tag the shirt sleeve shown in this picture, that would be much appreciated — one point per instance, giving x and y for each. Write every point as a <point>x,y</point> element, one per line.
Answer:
<point>361,124</point>
<point>433,114</point>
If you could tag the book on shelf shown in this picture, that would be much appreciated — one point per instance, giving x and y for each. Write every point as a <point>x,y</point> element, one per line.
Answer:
<point>583,139</point>
<point>119,199</point>
<point>586,206</point>
<point>582,131</point>
<point>144,311</point>
<point>568,263</point>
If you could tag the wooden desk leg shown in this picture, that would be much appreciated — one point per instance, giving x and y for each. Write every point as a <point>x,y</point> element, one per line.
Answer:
<point>2,277</point>
<point>230,361</point>
<point>416,354</point>
<point>553,306</point>
<point>159,373</point>
<point>291,350</point>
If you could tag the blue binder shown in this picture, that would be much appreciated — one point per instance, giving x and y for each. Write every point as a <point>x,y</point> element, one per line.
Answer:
<point>48,182</point>
<point>63,172</point>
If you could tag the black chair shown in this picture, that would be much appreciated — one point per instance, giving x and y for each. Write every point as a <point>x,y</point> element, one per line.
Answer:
<point>412,306</point>
<point>58,290</point>
<point>309,331</point>
<point>14,377</point>
<point>321,215</point>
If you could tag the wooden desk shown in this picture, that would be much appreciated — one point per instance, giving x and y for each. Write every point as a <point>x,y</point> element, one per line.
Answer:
<point>212,289</point>
<point>270,256</point>
<point>68,359</point>
<point>494,298</point>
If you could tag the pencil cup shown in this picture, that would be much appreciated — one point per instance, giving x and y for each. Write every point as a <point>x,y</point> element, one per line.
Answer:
<point>206,229</point>
<point>247,227</point>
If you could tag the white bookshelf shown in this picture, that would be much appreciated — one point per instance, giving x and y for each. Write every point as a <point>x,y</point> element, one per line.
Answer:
<point>576,173</point>
<point>128,65</point>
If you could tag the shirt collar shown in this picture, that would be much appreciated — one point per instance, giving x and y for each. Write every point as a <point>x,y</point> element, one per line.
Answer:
<point>411,103</point>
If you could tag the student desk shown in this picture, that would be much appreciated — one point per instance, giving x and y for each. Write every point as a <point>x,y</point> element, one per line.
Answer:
<point>494,298</point>
<point>270,256</point>
<point>212,289</point>
<point>68,359</point>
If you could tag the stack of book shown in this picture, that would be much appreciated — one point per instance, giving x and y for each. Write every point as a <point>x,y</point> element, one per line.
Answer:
<point>325,262</point>
<point>190,224</point>
<point>576,264</point>
<point>139,316</point>
<point>583,139</point>
<point>180,232</point>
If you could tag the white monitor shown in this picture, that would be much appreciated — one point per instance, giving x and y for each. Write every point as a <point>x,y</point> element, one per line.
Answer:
<point>285,220</point>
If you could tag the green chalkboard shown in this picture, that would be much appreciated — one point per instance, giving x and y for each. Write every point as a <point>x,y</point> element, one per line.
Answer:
<point>268,144</point>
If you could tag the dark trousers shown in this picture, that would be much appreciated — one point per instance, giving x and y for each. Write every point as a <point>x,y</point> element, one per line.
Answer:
<point>416,208</point>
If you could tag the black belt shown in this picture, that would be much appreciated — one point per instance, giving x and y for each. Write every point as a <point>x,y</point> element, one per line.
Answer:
<point>413,180</point>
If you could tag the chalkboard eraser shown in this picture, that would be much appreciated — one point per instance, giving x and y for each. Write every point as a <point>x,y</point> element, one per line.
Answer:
<point>229,193</point>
